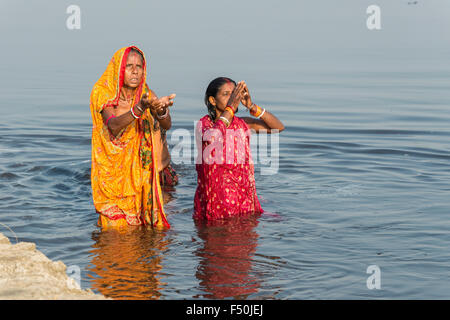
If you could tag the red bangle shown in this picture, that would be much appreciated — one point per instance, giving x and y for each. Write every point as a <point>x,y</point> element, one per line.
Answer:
<point>133,114</point>
<point>230,109</point>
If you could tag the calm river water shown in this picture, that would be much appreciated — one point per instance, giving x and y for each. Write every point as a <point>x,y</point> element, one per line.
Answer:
<point>363,178</point>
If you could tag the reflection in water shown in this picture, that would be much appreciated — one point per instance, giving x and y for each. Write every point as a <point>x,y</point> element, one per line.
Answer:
<point>126,262</point>
<point>225,267</point>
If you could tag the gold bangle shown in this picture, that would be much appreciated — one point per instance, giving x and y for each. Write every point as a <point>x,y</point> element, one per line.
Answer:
<point>258,111</point>
<point>261,114</point>
<point>225,121</point>
<point>230,110</point>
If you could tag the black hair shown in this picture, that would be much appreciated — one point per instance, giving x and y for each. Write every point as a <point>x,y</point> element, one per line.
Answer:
<point>138,52</point>
<point>211,91</point>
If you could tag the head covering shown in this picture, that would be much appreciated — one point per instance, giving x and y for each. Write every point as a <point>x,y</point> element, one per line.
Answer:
<point>124,175</point>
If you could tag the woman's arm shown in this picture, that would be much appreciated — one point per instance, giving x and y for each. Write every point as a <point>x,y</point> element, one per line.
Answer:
<point>160,110</point>
<point>264,120</point>
<point>116,124</point>
<point>267,122</point>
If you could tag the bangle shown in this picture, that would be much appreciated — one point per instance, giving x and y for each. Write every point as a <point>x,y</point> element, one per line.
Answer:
<point>164,115</point>
<point>132,112</point>
<point>230,110</point>
<point>139,108</point>
<point>258,117</point>
<point>225,121</point>
<point>258,111</point>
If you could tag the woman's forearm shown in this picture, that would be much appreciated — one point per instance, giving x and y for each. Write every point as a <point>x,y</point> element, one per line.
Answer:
<point>117,124</point>
<point>265,120</point>
<point>165,121</point>
<point>272,121</point>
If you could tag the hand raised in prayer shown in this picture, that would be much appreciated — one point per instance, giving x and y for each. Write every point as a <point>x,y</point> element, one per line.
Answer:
<point>236,96</point>
<point>246,98</point>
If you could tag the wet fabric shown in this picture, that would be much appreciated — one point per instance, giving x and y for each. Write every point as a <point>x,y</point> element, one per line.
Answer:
<point>124,177</point>
<point>225,176</point>
<point>168,177</point>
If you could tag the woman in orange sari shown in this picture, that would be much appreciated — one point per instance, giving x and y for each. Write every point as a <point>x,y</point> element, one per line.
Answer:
<point>124,174</point>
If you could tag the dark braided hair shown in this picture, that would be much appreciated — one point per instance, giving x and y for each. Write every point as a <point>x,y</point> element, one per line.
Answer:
<point>211,91</point>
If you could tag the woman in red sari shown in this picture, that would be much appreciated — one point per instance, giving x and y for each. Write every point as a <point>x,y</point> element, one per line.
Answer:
<point>225,171</point>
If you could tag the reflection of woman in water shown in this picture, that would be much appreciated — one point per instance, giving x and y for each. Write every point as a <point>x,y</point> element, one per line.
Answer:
<point>225,267</point>
<point>126,263</point>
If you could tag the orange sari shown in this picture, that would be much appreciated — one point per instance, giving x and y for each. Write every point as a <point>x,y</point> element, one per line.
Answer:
<point>124,177</point>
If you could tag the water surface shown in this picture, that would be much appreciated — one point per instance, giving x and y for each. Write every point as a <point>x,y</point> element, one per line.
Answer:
<point>363,174</point>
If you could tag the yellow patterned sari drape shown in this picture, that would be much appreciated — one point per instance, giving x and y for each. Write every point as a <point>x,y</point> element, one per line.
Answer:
<point>124,177</point>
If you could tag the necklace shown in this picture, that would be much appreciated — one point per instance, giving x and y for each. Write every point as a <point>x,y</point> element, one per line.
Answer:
<point>122,97</point>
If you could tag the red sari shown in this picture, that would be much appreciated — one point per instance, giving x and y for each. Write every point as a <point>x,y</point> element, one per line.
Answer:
<point>225,171</point>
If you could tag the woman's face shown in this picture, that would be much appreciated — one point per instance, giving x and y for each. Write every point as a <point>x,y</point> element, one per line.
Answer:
<point>221,99</point>
<point>134,70</point>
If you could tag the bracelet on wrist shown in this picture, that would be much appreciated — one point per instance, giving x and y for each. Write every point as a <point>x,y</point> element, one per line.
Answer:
<point>133,114</point>
<point>262,113</point>
<point>139,108</point>
<point>256,113</point>
<point>230,110</point>
<point>225,121</point>
<point>162,117</point>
